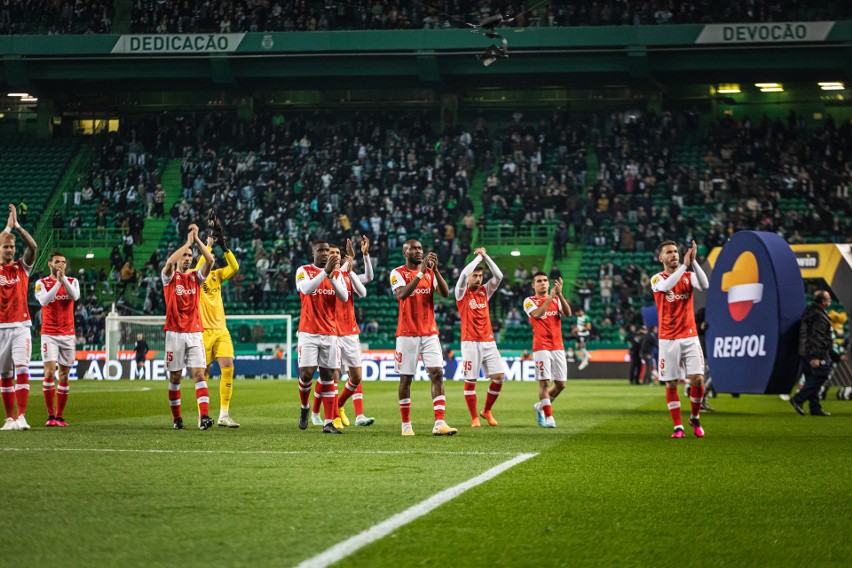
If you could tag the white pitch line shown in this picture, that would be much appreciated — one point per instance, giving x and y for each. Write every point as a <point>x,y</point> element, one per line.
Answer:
<point>351,545</point>
<point>259,452</point>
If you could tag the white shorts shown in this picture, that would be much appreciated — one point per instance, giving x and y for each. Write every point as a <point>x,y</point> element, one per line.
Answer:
<point>58,348</point>
<point>350,351</point>
<point>476,354</point>
<point>550,366</point>
<point>185,350</point>
<point>317,350</point>
<point>679,358</point>
<point>408,349</point>
<point>15,349</point>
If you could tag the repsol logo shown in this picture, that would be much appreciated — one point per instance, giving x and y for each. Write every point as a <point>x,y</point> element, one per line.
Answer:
<point>765,32</point>
<point>739,346</point>
<point>671,297</point>
<point>323,292</point>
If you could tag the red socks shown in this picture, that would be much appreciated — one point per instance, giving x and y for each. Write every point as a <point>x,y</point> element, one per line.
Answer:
<point>7,388</point>
<point>673,401</point>
<point>48,389</point>
<point>357,400</point>
<point>22,389</point>
<point>439,405</point>
<point>547,408</point>
<point>470,397</point>
<point>493,392</point>
<point>61,397</point>
<point>348,391</point>
<point>304,393</point>
<point>174,399</point>
<point>405,410</point>
<point>202,395</point>
<point>315,406</point>
<point>328,395</point>
<point>696,395</point>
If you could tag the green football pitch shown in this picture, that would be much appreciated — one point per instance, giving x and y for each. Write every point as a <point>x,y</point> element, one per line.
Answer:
<point>765,487</point>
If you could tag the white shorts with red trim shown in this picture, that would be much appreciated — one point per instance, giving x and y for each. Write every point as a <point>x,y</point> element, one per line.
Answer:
<point>350,351</point>
<point>316,350</point>
<point>185,350</point>
<point>679,358</point>
<point>476,354</point>
<point>58,348</point>
<point>409,349</point>
<point>15,349</point>
<point>550,365</point>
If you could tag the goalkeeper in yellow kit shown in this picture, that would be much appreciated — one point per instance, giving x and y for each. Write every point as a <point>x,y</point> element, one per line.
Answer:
<point>217,339</point>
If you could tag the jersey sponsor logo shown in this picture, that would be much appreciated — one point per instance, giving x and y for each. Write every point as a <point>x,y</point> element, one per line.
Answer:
<point>4,281</point>
<point>553,313</point>
<point>61,297</point>
<point>743,286</point>
<point>180,290</point>
<point>474,305</point>
<point>422,291</point>
<point>672,297</point>
<point>322,291</point>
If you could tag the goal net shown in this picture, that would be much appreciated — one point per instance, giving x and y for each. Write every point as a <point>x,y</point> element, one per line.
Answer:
<point>263,346</point>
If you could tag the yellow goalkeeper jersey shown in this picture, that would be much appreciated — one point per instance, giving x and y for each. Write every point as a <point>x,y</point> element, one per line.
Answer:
<point>212,308</point>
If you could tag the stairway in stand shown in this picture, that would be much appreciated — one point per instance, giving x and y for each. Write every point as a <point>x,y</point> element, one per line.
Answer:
<point>154,227</point>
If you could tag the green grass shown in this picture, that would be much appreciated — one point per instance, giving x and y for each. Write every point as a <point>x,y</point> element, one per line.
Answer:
<point>765,487</point>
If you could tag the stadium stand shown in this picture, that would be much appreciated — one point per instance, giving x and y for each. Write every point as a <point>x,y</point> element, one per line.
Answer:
<point>19,17</point>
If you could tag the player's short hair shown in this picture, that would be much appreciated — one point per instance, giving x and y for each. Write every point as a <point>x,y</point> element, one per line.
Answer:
<point>477,269</point>
<point>664,244</point>
<point>537,274</point>
<point>54,253</point>
<point>6,237</point>
<point>318,243</point>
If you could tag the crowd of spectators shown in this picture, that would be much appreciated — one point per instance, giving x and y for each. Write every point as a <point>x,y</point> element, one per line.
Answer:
<point>52,17</point>
<point>283,181</point>
<point>225,16</point>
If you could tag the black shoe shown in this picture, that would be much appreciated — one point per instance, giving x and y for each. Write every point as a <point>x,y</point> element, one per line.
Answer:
<point>330,429</point>
<point>797,406</point>
<point>178,424</point>
<point>303,418</point>
<point>820,412</point>
<point>205,423</point>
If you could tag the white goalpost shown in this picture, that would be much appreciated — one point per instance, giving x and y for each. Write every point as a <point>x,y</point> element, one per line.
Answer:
<point>263,345</point>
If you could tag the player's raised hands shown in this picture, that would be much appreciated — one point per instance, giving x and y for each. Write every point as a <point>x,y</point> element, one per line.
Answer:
<point>332,264</point>
<point>557,287</point>
<point>350,260</point>
<point>210,241</point>
<point>432,260</point>
<point>480,251</point>
<point>365,245</point>
<point>687,256</point>
<point>350,251</point>
<point>13,216</point>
